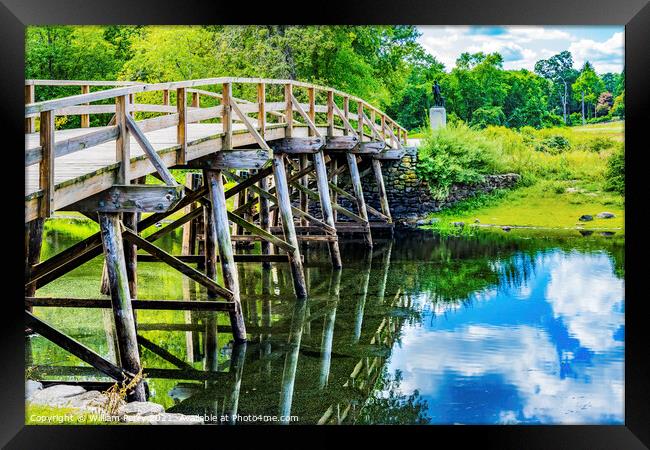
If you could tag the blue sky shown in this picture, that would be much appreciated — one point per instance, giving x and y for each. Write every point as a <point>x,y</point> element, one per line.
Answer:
<point>522,46</point>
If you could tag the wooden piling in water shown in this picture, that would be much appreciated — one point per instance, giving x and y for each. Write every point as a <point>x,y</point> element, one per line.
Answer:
<point>222,231</point>
<point>326,204</point>
<point>284,208</point>
<point>109,224</point>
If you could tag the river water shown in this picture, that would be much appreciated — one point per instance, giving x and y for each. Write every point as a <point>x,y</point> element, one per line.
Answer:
<point>497,328</point>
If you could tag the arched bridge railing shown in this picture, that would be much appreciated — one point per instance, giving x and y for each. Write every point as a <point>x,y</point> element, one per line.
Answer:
<point>254,106</point>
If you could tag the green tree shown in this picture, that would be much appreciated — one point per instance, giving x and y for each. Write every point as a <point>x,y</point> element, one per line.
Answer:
<point>587,87</point>
<point>558,69</point>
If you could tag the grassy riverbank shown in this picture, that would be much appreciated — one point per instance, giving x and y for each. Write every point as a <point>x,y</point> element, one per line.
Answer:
<point>566,173</point>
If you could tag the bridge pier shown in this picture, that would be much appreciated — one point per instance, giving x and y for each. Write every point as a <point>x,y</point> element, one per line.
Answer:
<point>121,297</point>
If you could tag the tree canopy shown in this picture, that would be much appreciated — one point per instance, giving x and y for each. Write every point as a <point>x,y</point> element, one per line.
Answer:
<point>385,65</point>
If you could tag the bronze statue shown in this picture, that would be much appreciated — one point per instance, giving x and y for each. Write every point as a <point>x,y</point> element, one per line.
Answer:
<point>438,99</point>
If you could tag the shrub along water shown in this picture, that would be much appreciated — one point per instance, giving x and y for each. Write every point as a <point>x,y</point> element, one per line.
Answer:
<point>559,164</point>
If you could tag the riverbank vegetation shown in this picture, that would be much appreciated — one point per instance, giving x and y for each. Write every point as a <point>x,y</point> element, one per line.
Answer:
<point>565,173</point>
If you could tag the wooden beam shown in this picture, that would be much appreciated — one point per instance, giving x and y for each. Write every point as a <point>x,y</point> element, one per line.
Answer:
<point>253,158</point>
<point>76,348</point>
<point>379,179</point>
<point>313,130</point>
<point>151,153</point>
<point>392,154</point>
<point>358,194</point>
<point>178,265</point>
<point>131,198</point>
<point>158,305</point>
<point>296,145</point>
<point>344,143</point>
<point>243,257</point>
<point>261,111</point>
<point>251,129</point>
<point>288,109</point>
<point>255,230</point>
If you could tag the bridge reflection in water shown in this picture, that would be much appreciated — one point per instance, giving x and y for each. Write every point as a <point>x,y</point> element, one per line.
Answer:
<point>316,359</point>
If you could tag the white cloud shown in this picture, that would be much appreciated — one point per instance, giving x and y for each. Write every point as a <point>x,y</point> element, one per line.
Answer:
<point>523,46</point>
<point>606,56</point>
<point>583,293</point>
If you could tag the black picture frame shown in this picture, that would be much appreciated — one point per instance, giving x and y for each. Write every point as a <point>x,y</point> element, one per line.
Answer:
<point>634,14</point>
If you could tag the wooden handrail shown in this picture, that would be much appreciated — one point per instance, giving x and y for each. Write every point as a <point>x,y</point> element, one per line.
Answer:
<point>132,87</point>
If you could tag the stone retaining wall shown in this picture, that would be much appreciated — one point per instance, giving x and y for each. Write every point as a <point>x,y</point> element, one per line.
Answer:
<point>409,197</point>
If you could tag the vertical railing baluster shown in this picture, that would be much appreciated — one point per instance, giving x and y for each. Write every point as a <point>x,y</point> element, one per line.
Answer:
<point>196,102</point>
<point>226,116</point>
<point>346,113</point>
<point>360,121</point>
<point>330,113</point>
<point>29,98</point>
<point>166,97</point>
<point>122,144</point>
<point>46,172</point>
<point>288,109</point>
<point>181,128</point>
<point>85,118</point>
<point>261,107</point>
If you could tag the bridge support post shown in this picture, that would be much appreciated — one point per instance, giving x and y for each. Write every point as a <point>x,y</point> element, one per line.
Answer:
<point>265,222</point>
<point>326,205</point>
<point>355,178</point>
<point>383,198</point>
<point>222,232</point>
<point>284,208</point>
<point>109,224</point>
<point>33,243</point>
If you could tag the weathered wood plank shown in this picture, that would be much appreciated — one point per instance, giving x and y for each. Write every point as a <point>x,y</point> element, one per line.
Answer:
<point>344,143</point>
<point>358,194</point>
<point>131,198</point>
<point>254,158</point>
<point>296,145</point>
<point>391,154</point>
<point>379,179</point>
<point>181,126</point>
<point>255,230</point>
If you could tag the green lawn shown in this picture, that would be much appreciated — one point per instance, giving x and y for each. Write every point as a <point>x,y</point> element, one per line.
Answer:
<point>546,205</point>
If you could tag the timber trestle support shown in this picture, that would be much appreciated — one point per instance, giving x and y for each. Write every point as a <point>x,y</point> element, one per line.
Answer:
<point>266,169</point>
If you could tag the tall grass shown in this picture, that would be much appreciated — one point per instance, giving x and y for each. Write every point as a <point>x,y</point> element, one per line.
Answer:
<point>460,154</point>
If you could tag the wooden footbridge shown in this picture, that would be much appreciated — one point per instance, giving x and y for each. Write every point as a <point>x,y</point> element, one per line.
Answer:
<point>280,145</point>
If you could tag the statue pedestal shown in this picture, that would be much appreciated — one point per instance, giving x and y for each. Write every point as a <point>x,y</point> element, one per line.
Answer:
<point>438,117</point>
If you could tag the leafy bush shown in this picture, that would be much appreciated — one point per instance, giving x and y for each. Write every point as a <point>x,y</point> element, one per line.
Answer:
<point>618,109</point>
<point>615,174</point>
<point>553,145</point>
<point>489,115</point>
<point>575,119</point>
<point>552,120</point>
<point>455,154</point>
